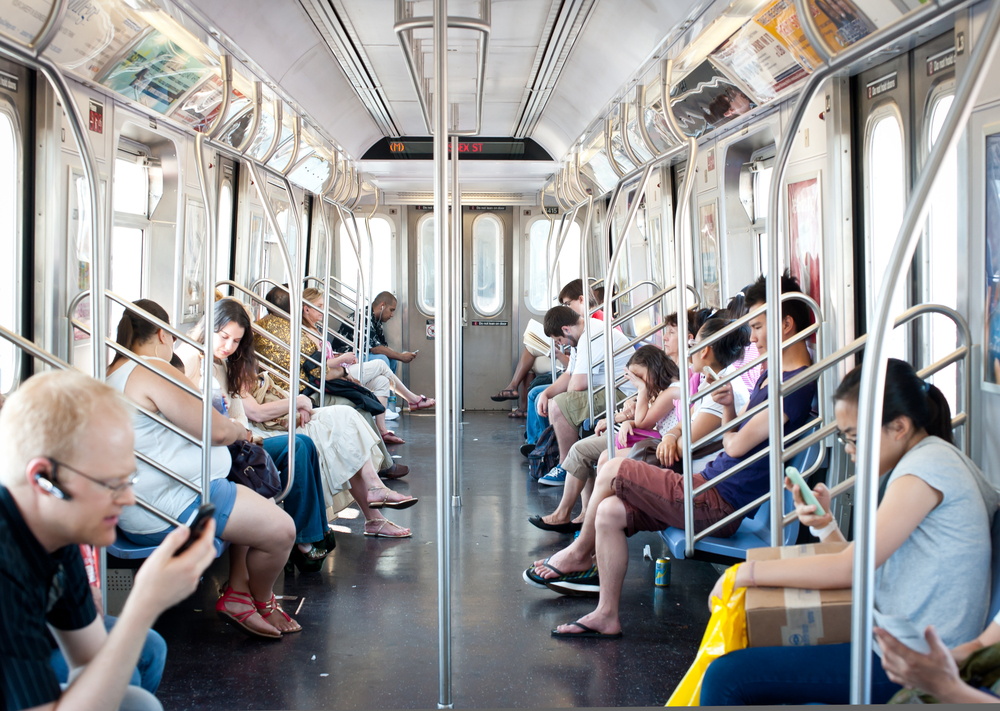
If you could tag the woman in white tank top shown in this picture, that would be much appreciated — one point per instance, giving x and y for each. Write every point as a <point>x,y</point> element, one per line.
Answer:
<point>260,533</point>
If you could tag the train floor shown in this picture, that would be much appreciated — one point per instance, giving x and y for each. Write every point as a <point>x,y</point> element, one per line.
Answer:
<point>370,616</point>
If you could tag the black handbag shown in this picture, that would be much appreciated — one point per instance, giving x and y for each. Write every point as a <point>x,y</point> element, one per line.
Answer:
<point>361,396</point>
<point>254,469</point>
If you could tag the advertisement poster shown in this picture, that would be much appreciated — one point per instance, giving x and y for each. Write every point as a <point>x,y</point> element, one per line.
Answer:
<point>705,99</point>
<point>805,234</point>
<point>763,63</point>
<point>840,23</point>
<point>708,228</point>
<point>992,340</point>
<point>155,73</point>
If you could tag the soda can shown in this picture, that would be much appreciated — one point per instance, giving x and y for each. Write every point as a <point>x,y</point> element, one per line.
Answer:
<point>662,579</point>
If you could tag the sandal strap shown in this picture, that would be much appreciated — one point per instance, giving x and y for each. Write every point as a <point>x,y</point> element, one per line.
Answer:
<point>383,522</point>
<point>233,596</point>
<point>266,609</point>
<point>385,492</point>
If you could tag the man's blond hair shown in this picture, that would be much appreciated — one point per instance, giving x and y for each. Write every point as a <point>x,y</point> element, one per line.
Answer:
<point>49,415</point>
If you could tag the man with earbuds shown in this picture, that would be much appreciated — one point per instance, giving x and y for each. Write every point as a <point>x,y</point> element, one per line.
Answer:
<point>66,473</point>
<point>383,308</point>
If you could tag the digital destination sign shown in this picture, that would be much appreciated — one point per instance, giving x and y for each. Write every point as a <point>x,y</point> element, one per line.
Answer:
<point>422,148</point>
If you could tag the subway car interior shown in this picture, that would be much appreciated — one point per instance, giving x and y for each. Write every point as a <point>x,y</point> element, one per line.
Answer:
<point>456,213</point>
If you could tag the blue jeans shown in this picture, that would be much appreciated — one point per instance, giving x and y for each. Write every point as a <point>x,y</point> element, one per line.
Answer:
<point>148,670</point>
<point>769,676</point>
<point>304,502</point>
<point>385,359</point>
<point>536,423</point>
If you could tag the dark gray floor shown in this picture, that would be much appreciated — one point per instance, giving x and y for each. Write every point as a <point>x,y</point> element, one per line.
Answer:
<point>370,616</point>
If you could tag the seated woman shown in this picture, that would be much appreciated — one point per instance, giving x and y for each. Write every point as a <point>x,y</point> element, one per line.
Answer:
<point>932,551</point>
<point>343,442</point>
<point>378,376</point>
<point>261,533</point>
<point>656,378</point>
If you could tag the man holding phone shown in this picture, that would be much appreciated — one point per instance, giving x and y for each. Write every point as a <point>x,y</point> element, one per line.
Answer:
<point>66,469</point>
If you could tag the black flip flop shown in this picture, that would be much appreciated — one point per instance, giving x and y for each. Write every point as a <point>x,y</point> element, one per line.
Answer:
<point>532,578</point>
<point>588,633</point>
<point>571,527</point>
<point>500,397</point>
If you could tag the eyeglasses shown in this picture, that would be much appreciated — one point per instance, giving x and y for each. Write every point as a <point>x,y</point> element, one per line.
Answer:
<point>115,489</point>
<point>844,440</point>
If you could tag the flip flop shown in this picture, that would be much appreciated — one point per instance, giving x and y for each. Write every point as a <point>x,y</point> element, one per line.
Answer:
<point>517,414</point>
<point>391,438</point>
<point>533,578</point>
<point>571,527</point>
<point>588,632</point>
<point>503,395</point>
<point>423,403</point>
<point>377,533</point>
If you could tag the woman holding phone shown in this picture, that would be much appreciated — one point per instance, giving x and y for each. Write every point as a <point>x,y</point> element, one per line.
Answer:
<point>932,531</point>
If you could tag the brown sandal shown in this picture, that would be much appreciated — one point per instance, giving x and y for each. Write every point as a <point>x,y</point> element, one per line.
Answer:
<point>389,437</point>
<point>517,414</point>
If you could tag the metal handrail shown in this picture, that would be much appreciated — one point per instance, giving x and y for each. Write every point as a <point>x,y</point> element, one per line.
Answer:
<point>404,34</point>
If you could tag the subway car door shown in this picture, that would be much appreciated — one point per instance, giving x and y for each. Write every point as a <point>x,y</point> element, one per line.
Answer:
<point>487,298</point>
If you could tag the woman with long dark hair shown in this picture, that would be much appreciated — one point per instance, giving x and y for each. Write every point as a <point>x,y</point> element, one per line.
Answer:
<point>343,441</point>
<point>932,551</point>
<point>261,533</point>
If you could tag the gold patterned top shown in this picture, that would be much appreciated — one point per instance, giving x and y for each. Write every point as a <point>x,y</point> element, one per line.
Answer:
<point>281,329</point>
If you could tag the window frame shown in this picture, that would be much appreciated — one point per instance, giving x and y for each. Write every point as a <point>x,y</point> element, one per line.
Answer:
<point>422,307</point>
<point>487,217</point>
<point>129,220</point>
<point>8,109</point>
<point>527,261</point>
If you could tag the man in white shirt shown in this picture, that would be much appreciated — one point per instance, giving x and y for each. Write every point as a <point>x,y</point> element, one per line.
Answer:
<point>569,408</point>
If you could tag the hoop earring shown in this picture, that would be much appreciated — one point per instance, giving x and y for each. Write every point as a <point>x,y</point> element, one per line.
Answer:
<point>156,351</point>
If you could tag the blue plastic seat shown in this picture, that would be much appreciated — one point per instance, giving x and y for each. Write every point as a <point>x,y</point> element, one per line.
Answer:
<point>753,532</point>
<point>995,596</point>
<point>124,549</point>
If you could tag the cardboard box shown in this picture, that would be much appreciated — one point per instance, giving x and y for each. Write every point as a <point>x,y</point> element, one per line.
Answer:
<point>792,617</point>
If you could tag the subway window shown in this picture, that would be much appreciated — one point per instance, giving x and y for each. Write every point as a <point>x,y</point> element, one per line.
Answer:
<point>426,271</point>
<point>225,229</point>
<point>380,278</point>
<point>487,261</point>
<point>568,266</point>
<point>538,239</point>
<point>128,232</point>
<point>9,261</point>
<point>886,169</point>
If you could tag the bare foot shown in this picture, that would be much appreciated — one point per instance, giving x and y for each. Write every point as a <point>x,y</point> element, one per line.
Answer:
<point>579,519</point>
<point>253,622</point>
<point>278,618</point>
<point>555,518</point>
<point>377,495</point>
<point>567,561</point>
<point>595,621</point>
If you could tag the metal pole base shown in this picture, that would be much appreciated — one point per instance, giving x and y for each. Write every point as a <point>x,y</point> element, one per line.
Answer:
<point>446,706</point>
<point>456,501</point>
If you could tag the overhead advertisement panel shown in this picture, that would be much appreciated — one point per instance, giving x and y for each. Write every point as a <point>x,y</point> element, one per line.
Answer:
<point>760,61</point>
<point>840,23</point>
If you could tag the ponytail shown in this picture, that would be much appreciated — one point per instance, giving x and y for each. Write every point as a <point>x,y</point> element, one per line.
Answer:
<point>134,330</point>
<point>906,395</point>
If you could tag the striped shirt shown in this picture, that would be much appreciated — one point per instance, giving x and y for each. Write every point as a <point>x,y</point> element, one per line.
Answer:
<point>36,588</point>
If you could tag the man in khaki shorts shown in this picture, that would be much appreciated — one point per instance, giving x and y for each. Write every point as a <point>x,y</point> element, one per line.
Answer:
<point>568,410</point>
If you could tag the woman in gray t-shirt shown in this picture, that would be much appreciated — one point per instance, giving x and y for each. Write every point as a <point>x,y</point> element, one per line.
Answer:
<point>932,550</point>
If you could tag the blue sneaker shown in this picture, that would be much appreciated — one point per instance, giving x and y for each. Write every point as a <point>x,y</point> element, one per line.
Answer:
<point>555,477</point>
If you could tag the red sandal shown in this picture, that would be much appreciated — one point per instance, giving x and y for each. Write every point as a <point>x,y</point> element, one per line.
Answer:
<point>240,618</point>
<point>422,403</point>
<point>266,609</point>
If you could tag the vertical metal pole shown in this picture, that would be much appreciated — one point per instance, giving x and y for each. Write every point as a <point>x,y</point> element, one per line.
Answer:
<point>585,278</point>
<point>327,271</point>
<point>458,294</point>
<point>873,368</point>
<point>208,308</point>
<point>443,350</point>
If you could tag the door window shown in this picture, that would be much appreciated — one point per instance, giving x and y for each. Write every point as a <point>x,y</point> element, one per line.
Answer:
<point>538,240</point>
<point>426,264</point>
<point>10,302</point>
<point>225,231</point>
<point>886,171</point>
<point>381,256</point>
<point>487,264</point>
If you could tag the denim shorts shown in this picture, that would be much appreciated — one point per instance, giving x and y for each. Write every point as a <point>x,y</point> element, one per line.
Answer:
<point>223,498</point>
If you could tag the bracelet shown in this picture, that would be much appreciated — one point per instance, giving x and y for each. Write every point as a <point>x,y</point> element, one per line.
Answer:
<point>823,533</point>
<point>671,434</point>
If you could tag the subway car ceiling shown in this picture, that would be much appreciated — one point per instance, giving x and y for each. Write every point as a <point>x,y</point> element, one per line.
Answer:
<point>559,77</point>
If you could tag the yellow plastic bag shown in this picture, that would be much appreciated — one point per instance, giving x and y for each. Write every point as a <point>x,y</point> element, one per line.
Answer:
<point>726,632</point>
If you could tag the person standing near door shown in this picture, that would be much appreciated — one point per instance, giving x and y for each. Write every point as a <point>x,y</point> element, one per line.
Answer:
<point>383,309</point>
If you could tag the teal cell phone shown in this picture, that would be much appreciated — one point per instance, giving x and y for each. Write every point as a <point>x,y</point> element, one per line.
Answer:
<point>807,495</point>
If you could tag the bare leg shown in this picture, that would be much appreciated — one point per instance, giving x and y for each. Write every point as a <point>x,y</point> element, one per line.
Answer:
<point>588,489</point>
<point>402,390</point>
<point>571,490</point>
<point>269,534</point>
<point>578,555</point>
<point>566,433</point>
<point>380,418</point>
<point>370,480</point>
<point>359,490</point>
<point>524,364</point>
<point>612,561</point>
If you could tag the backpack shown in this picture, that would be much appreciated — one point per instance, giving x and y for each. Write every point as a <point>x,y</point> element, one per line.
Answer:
<point>545,455</point>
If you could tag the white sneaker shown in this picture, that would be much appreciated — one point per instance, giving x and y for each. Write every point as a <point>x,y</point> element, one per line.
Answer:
<point>390,415</point>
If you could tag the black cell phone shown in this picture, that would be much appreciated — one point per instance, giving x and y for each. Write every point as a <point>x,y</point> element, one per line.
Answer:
<point>197,526</point>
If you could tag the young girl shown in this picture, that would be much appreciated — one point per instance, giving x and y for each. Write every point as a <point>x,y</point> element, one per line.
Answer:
<point>932,551</point>
<point>655,377</point>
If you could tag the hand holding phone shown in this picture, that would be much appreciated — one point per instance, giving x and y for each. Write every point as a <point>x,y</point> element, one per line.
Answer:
<point>807,495</point>
<point>903,630</point>
<point>197,525</point>
<point>707,370</point>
